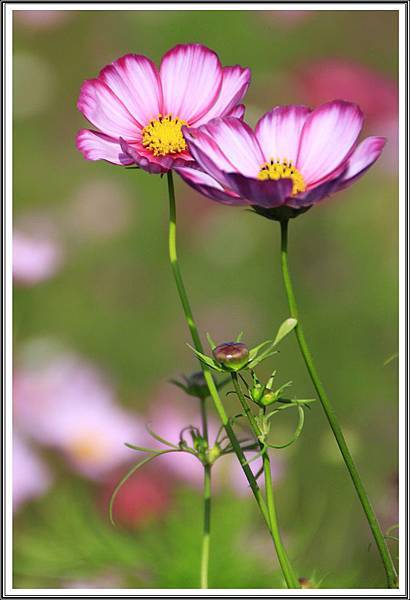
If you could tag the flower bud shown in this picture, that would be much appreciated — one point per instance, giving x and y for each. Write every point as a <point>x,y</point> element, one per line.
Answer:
<point>197,385</point>
<point>213,453</point>
<point>305,583</point>
<point>232,355</point>
<point>268,397</point>
<point>256,392</point>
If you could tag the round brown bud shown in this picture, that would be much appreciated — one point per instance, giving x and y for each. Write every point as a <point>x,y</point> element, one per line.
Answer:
<point>232,355</point>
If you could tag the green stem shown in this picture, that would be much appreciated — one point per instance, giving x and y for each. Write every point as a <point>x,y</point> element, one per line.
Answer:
<point>288,573</point>
<point>287,570</point>
<point>245,406</point>
<point>207,527</point>
<point>198,346</point>
<point>331,416</point>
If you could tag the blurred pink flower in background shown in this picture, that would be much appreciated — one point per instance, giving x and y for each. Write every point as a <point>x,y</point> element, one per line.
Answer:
<point>35,257</point>
<point>65,403</point>
<point>31,477</point>
<point>42,19</point>
<point>376,94</point>
<point>325,80</point>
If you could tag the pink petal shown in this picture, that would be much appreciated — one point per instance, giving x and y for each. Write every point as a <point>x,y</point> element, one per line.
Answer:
<point>235,83</point>
<point>237,142</point>
<point>191,77</point>
<point>207,153</point>
<point>328,137</point>
<point>144,159</point>
<point>268,193</point>
<point>97,146</point>
<point>278,132</point>
<point>315,194</point>
<point>134,79</point>
<point>105,111</point>
<point>237,112</point>
<point>366,153</point>
<point>208,186</point>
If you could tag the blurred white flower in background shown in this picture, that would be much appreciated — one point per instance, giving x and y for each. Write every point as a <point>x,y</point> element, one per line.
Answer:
<point>35,257</point>
<point>31,477</point>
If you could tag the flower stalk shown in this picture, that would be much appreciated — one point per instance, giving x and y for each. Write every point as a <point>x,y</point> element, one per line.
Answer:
<point>207,528</point>
<point>331,415</point>
<point>287,570</point>
<point>205,369</point>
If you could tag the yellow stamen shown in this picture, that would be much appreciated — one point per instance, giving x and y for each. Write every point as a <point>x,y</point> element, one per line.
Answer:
<point>283,169</point>
<point>164,136</point>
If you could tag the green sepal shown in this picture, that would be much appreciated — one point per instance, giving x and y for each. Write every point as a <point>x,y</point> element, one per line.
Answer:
<point>254,351</point>
<point>211,343</point>
<point>286,327</point>
<point>207,360</point>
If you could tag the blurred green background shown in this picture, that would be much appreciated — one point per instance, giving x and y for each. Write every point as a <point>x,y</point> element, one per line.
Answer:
<point>114,303</point>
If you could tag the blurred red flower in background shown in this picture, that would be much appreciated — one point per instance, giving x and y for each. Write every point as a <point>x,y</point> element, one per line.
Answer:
<point>147,495</point>
<point>325,80</point>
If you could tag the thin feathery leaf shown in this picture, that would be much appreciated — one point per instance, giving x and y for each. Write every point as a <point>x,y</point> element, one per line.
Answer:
<point>295,436</point>
<point>254,351</point>
<point>159,438</point>
<point>178,384</point>
<point>127,476</point>
<point>140,448</point>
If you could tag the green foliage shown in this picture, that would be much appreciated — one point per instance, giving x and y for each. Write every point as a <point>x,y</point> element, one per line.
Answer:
<point>66,539</point>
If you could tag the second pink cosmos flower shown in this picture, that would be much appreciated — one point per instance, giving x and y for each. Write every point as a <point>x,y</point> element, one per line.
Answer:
<point>139,110</point>
<point>294,158</point>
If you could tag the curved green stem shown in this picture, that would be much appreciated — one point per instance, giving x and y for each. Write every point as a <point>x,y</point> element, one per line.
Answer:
<point>287,570</point>
<point>207,528</point>
<point>331,416</point>
<point>198,346</point>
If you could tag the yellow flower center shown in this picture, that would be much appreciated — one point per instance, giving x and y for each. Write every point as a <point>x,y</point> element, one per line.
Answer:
<point>283,169</point>
<point>87,449</point>
<point>164,136</point>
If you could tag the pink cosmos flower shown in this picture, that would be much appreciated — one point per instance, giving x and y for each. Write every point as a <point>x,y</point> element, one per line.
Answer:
<point>67,405</point>
<point>294,158</point>
<point>139,110</point>
<point>35,258</point>
<point>31,477</point>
